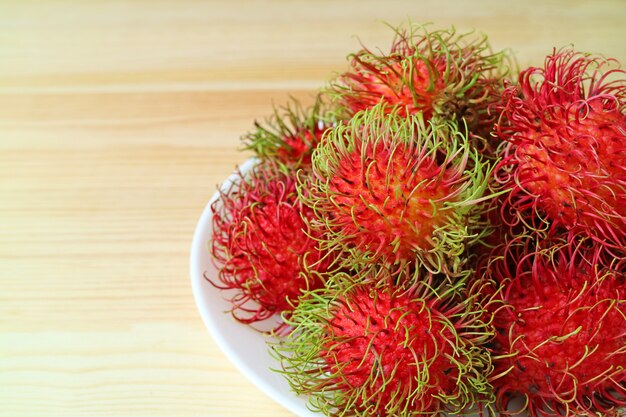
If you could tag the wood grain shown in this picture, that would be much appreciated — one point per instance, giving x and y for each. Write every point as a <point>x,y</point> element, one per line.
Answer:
<point>117,121</point>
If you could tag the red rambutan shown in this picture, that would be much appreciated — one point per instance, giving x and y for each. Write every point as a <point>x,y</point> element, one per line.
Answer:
<point>560,330</point>
<point>289,136</point>
<point>438,73</point>
<point>393,189</point>
<point>379,350</point>
<point>262,245</point>
<point>565,155</point>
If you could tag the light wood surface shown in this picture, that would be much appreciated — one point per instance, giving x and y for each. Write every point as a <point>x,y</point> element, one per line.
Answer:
<point>117,121</point>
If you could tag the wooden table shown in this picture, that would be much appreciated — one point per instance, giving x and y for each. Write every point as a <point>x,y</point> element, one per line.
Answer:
<point>117,120</point>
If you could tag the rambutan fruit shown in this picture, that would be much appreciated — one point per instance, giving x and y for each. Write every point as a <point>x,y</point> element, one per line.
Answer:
<point>392,189</point>
<point>289,136</point>
<point>262,246</point>
<point>439,73</point>
<point>564,126</point>
<point>560,341</point>
<point>367,349</point>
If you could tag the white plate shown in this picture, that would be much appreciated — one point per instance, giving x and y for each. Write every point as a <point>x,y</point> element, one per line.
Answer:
<point>245,347</point>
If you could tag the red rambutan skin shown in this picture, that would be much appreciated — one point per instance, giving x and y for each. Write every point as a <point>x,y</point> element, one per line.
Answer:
<point>405,198</point>
<point>300,144</point>
<point>262,245</point>
<point>565,158</point>
<point>561,332</point>
<point>369,331</point>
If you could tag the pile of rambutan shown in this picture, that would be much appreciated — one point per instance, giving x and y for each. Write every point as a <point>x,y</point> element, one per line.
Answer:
<point>439,233</point>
